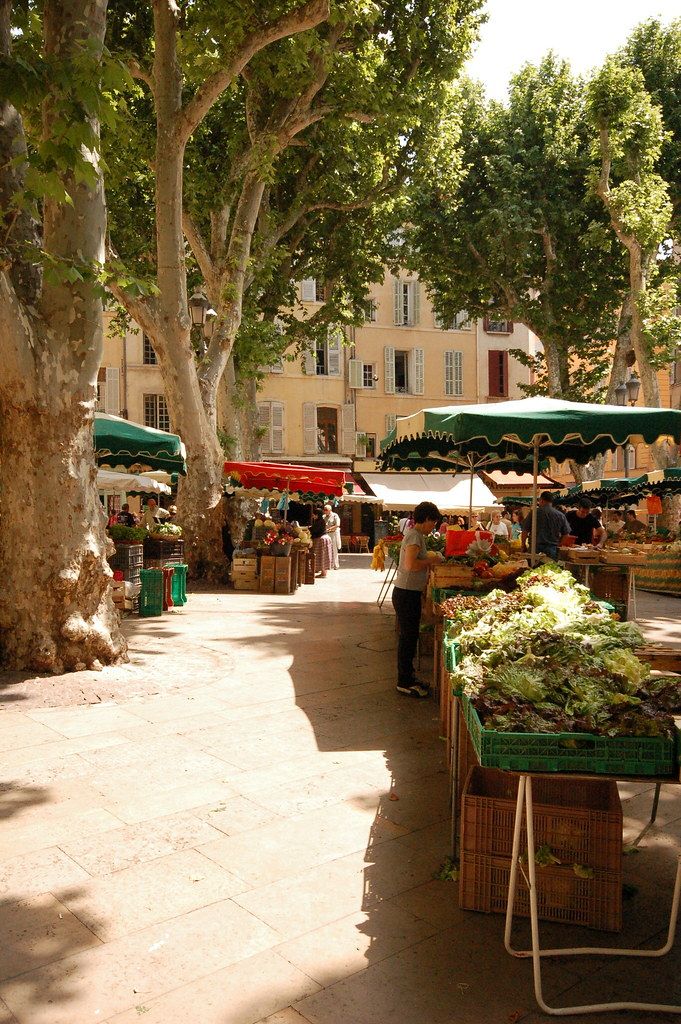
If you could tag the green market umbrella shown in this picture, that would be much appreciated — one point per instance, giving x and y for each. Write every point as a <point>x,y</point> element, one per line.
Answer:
<point>118,442</point>
<point>557,429</point>
<point>659,481</point>
<point>609,491</point>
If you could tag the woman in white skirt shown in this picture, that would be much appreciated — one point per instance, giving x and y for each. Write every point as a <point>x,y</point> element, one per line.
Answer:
<point>332,520</point>
<point>323,553</point>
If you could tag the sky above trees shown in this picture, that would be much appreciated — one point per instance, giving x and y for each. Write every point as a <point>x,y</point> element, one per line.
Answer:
<point>582,32</point>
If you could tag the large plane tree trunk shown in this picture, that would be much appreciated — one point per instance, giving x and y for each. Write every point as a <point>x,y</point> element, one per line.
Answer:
<point>56,611</point>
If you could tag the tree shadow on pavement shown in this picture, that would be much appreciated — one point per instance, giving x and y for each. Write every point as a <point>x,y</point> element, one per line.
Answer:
<point>339,657</point>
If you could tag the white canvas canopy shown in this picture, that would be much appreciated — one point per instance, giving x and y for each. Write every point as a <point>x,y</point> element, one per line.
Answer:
<point>124,483</point>
<point>451,492</point>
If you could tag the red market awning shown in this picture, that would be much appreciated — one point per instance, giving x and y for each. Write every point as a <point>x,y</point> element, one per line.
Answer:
<point>273,476</point>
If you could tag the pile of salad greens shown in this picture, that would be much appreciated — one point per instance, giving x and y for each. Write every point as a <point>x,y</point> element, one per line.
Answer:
<point>547,658</point>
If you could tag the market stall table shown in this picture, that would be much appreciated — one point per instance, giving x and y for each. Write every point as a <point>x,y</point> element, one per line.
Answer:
<point>524,806</point>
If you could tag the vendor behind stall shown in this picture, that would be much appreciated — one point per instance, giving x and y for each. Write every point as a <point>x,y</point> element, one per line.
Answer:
<point>410,581</point>
<point>633,527</point>
<point>585,526</point>
<point>552,527</point>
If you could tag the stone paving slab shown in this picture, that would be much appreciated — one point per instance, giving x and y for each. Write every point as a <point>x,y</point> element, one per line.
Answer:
<point>242,825</point>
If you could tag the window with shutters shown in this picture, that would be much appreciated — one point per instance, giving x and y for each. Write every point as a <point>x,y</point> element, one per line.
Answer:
<point>368,374</point>
<point>101,389</point>
<point>461,322</point>
<point>370,446</point>
<point>271,423</point>
<point>370,311</point>
<point>407,302</point>
<point>676,368</point>
<point>328,354</point>
<point>312,290</point>
<point>498,373</point>
<point>401,373</point>
<point>148,354</point>
<point>497,326</point>
<point>156,412</point>
<point>327,430</point>
<point>453,374</point>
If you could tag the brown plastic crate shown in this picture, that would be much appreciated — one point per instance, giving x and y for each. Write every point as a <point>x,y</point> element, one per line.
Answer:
<point>579,819</point>
<point>609,583</point>
<point>561,896</point>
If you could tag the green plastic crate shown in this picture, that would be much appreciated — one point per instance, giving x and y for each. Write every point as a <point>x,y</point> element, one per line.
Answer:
<point>440,594</point>
<point>569,751</point>
<point>450,653</point>
<point>151,594</point>
<point>179,584</point>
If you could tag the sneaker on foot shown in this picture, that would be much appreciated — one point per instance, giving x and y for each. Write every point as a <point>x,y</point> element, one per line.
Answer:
<point>414,690</point>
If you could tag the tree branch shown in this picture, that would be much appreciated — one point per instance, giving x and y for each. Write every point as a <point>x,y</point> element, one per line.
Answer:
<point>303,18</point>
<point>196,240</point>
<point>16,332</point>
<point>142,75</point>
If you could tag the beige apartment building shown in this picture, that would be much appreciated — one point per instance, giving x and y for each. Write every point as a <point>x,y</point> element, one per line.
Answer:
<point>335,405</point>
<point>130,382</point>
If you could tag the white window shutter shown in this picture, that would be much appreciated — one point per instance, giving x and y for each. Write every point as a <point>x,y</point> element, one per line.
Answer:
<point>458,373</point>
<point>334,341</point>
<point>397,302</point>
<point>360,446</point>
<point>278,427</point>
<point>265,424</point>
<point>310,428</point>
<point>415,304</point>
<point>390,421</point>
<point>308,289</point>
<point>449,373</point>
<point>355,373</point>
<point>309,363</point>
<point>416,369</point>
<point>389,369</point>
<point>113,392</point>
<point>348,441</point>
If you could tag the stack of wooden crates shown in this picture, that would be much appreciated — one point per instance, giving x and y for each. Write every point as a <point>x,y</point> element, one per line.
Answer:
<point>245,572</point>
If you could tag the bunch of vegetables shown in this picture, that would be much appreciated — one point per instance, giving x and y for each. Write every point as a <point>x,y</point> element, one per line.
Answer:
<point>547,658</point>
<point>127,534</point>
<point>166,530</point>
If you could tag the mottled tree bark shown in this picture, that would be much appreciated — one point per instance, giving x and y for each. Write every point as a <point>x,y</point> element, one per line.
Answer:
<point>56,610</point>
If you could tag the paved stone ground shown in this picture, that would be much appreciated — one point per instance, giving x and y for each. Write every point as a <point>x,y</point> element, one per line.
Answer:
<point>210,835</point>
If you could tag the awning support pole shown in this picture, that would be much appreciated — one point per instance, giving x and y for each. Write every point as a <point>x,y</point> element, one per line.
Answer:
<point>535,475</point>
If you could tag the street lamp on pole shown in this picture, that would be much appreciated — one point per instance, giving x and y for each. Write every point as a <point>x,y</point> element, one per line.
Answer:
<point>627,392</point>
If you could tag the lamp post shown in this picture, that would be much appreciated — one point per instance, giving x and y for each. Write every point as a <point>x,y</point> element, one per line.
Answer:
<point>627,392</point>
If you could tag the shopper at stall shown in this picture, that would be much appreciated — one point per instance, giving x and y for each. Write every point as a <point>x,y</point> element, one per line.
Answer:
<point>585,526</point>
<point>516,524</point>
<point>552,527</point>
<point>333,529</point>
<point>125,516</point>
<point>498,527</point>
<point>615,523</point>
<point>148,520</point>
<point>410,581</point>
<point>321,542</point>
<point>633,527</point>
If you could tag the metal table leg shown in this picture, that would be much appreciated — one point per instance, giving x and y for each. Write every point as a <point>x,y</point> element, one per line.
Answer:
<point>536,952</point>
<point>454,755</point>
<point>651,820</point>
<point>386,585</point>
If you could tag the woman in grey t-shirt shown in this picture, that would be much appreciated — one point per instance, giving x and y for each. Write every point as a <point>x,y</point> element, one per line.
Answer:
<point>410,581</point>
